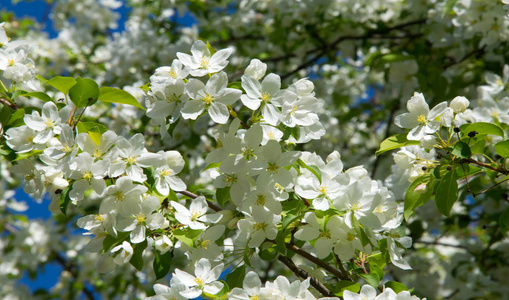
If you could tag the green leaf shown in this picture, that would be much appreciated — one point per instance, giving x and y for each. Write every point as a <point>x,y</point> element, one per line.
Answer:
<point>39,95</point>
<point>145,87</point>
<point>360,232</point>
<point>346,285</point>
<point>17,118</point>
<point>162,264</point>
<point>212,166</point>
<point>449,4</point>
<point>64,200</point>
<point>5,115</point>
<point>502,148</point>
<point>288,219</point>
<point>84,93</point>
<point>235,85</point>
<point>295,132</point>
<point>211,49</point>
<point>478,146</point>
<point>187,236</point>
<point>223,196</point>
<point>461,150</point>
<point>484,128</point>
<point>111,241</point>
<point>63,84</point>
<point>236,278</point>
<point>447,193</point>
<point>137,258</point>
<point>395,142</point>
<point>313,169</point>
<point>415,199</point>
<point>372,279</point>
<point>377,270</point>
<point>114,95</point>
<point>20,156</point>
<point>396,286</point>
<point>94,130</point>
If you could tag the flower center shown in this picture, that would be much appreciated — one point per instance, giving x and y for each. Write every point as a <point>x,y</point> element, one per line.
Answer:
<point>258,226</point>
<point>248,153</point>
<point>10,62</point>
<point>98,218</point>
<point>323,190</point>
<point>140,218</point>
<point>204,244</point>
<point>87,175</point>
<point>325,235</point>
<point>207,99</point>
<point>350,237</point>
<point>195,215</point>
<point>49,123</point>
<point>273,168</point>
<point>266,97</point>
<point>98,153</point>
<point>204,63</point>
<point>166,172</point>
<point>172,73</point>
<point>119,196</point>
<point>199,281</point>
<point>357,206</point>
<point>229,179</point>
<point>260,200</point>
<point>131,160</point>
<point>421,119</point>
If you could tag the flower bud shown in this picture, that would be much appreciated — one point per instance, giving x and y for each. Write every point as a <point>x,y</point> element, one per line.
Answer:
<point>421,188</point>
<point>459,104</point>
<point>428,142</point>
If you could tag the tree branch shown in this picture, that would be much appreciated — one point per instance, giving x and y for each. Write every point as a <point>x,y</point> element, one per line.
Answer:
<point>317,261</point>
<point>303,274</point>
<point>194,196</point>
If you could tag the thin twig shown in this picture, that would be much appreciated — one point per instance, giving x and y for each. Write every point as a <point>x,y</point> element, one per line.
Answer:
<point>8,103</point>
<point>304,275</point>
<point>317,261</point>
<point>72,269</point>
<point>194,196</point>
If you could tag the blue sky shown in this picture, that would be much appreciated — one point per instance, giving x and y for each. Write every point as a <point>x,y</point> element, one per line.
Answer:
<point>38,9</point>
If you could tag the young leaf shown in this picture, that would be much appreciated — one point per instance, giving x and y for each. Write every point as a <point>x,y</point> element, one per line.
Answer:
<point>502,148</point>
<point>114,95</point>
<point>39,95</point>
<point>162,264</point>
<point>461,150</point>
<point>63,84</point>
<point>447,193</point>
<point>64,200</point>
<point>395,142</point>
<point>396,286</point>
<point>484,128</point>
<point>137,258</point>
<point>84,93</point>
<point>236,278</point>
<point>415,199</point>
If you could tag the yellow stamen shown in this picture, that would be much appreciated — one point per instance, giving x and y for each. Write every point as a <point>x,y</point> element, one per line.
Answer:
<point>207,99</point>
<point>266,97</point>
<point>421,119</point>
<point>260,200</point>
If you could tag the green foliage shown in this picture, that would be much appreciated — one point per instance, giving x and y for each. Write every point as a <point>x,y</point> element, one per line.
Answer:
<point>395,142</point>
<point>413,198</point>
<point>114,95</point>
<point>162,264</point>
<point>84,93</point>
<point>447,193</point>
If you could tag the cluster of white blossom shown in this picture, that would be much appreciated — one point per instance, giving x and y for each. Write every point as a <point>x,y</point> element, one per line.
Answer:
<point>14,60</point>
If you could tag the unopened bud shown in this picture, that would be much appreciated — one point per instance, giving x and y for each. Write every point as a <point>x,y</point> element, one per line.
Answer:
<point>459,104</point>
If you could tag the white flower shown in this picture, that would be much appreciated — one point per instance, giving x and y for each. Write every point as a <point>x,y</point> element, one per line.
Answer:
<point>195,215</point>
<point>46,125</point>
<point>459,104</point>
<point>251,288</point>
<point>259,224</point>
<point>256,69</point>
<point>88,174</point>
<point>214,95</point>
<point>419,118</point>
<point>166,174</point>
<point>163,243</point>
<point>326,236</point>
<point>126,252</point>
<point>367,293</point>
<point>123,197</point>
<point>201,62</point>
<point>163,75</point>
<point>204,281</point>
<point>257,93</point>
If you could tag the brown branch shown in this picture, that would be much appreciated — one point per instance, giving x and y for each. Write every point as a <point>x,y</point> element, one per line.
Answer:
<point>8,103</point>
<point>498,170</point>
<point>371,34</point>
<point>194,196</point>
<point>341,267</point>
<point>304,275</point>
<point>317,261</point>
<point>72,269</point>
<point>453,62</point>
